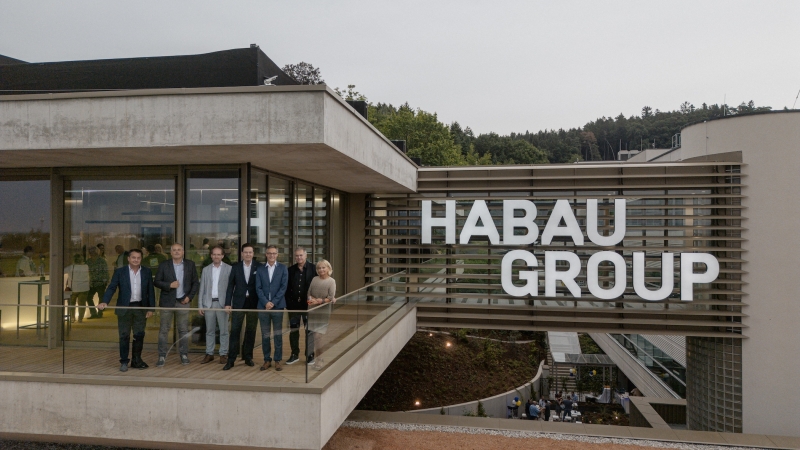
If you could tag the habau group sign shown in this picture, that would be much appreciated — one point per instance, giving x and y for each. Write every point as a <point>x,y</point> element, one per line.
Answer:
<point>480,223</point>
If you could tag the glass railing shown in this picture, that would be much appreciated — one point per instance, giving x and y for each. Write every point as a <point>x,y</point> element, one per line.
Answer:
<point>36,337</point>
<point>656,361</point>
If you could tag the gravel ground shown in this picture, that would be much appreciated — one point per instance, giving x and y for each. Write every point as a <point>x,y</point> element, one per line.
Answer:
<point>390,436</point>
<point>20,445</point>
<point>397,436</point>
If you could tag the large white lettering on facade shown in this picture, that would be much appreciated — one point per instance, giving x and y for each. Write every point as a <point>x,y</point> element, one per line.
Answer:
<point>565,266</point>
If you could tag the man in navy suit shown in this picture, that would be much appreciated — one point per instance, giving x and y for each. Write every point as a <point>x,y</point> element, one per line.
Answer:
<point>271,283</point>
<point>178,281</point>
<point>242,295</point>
<point>135,285</point>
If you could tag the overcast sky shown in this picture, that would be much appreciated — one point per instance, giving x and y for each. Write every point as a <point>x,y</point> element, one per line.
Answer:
<point>494,66</point>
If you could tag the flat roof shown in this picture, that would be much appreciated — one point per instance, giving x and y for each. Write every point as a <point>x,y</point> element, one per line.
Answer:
<point>306,132</point>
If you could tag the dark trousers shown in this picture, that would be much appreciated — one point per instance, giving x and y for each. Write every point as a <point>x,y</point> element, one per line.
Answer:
<point>294,333</point>
<point>237,319</point>
<point>126,320</point>
<point>99,290</point>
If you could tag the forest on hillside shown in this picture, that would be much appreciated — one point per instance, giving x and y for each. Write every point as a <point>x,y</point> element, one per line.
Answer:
<point>439,144</point>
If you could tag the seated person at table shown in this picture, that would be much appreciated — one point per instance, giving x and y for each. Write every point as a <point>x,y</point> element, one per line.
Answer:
<point>533,412</point>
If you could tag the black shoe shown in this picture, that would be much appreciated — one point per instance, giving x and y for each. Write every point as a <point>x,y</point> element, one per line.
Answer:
<point>228,365</point>
<point>123,367</point>
<point>292,359</point>
<point>249,362</point>
<point>137,363</point>
<point>310,359</point>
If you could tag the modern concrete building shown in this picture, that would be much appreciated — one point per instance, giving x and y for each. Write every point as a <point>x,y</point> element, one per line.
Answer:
<point>295,165</point>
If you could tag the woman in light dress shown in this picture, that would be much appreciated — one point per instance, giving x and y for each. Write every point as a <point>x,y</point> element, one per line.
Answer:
<point>322,291</point>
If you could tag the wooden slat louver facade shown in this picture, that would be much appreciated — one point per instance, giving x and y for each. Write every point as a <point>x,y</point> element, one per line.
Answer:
<point>680,207</point>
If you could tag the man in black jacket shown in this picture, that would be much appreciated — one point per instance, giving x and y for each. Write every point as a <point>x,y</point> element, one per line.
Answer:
<point>178,281</point>
<point>300,276</point>
<point>135,284</point>
<point>242,295</point>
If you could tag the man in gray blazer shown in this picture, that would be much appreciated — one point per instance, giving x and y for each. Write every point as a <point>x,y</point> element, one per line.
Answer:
<point>177,279</point>
<point>213,286</point>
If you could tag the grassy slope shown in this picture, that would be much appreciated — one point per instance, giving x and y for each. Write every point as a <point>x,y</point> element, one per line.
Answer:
<point>428,371</point>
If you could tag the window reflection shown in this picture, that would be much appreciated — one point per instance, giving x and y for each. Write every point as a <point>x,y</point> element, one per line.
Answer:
<point>280,218</point>
<point>103,220</point>
<point>305,219</point>
<point>24,228</point>
<point>24,249</point>
<point>212,215</point>
<point>259,203</point>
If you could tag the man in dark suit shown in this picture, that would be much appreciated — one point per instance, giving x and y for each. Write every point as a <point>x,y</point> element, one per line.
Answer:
<point>178,281</point>
<point>271,283</point>
<point>135,284</point>
<point>242,295</point>
<point>300,276</point>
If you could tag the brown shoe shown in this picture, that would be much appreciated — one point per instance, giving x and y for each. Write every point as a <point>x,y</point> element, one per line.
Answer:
<point>267,365</point>
<point>223,359</point>
<point>278,367</point>
<point>207,359</point>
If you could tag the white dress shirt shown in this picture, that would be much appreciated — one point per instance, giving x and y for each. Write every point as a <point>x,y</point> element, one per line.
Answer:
<point>246,276</point>
<point>136,284</point>
<point>215,271</point>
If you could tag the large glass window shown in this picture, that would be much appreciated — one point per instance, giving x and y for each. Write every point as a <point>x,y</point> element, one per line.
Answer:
<point>259,204</point>
<point>24,250</point>
<point>103,220</point>
<point>280,218</point>
<point>321,230</point>
<point>304,210</point>
<point>212,216</point>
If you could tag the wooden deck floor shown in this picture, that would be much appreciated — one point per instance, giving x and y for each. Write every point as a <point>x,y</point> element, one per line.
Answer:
<point>92,349</point>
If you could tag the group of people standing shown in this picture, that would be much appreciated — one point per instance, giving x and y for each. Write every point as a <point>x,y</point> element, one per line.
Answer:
<point>244,292</point>
<point>561,407</point>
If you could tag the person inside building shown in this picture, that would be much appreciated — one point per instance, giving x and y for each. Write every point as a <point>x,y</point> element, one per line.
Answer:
<point>271,284</point>
<point>25,264</point>
<point>98,280</point>
<point>300,276</point>
<point>321,297</point>
<point>178,281</point>
<point>241,295</point>
<point>76,284</point>
<point>213,286</point>
<point>136,293</point>
<point>122,256</point>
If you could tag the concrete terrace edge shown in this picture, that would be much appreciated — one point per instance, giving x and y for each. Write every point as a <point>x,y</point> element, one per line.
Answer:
<point>600,431</point>
<point>315,386</point>
<point>126,443</point>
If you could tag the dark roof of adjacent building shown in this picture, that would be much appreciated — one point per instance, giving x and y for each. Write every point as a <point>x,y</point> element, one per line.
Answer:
<point>9,60</point>
<point>237,67</point>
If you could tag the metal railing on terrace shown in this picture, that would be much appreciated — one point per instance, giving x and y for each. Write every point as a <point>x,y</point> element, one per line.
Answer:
<point>36,337</point>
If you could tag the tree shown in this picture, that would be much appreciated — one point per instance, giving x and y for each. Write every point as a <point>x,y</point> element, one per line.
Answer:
<point>351,93</point>
<point>426,137</point>
<point>304,73</point>
<point>507,150</point>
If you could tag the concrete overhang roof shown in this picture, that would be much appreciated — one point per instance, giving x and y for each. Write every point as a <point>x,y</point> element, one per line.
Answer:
<point>306,132</point>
